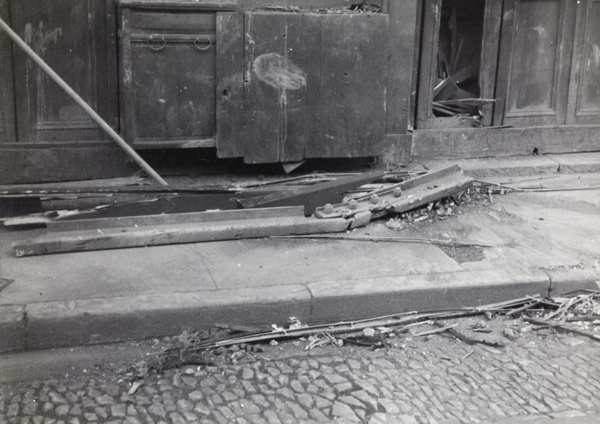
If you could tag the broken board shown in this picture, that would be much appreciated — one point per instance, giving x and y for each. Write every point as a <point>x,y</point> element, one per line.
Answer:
<point>401,197</point>
<point>315,85</point>
<point>154,230</point>
<point>312,197</point>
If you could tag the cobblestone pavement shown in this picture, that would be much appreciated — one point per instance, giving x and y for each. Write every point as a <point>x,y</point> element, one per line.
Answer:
<point>424,380</point>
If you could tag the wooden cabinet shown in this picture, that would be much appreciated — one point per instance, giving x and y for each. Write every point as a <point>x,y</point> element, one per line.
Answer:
<point>549,63</point>
<point>76,38</point>
<point>268,87</point>
<point>168,77</point>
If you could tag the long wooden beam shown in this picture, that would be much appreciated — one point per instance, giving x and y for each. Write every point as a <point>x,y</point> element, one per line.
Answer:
<point>82,103</point>
<point>155,230</point>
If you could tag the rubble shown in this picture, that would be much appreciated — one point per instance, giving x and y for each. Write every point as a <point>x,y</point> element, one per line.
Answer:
<point>268,215</point>
<point>493,325</point>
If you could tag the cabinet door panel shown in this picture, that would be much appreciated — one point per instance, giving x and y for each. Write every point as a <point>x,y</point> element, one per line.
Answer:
<point>71,36</point>
<point>174,89</point>
<point>7,115</point>
<point>584,94</point>
<point>168,78</point>
<point>535,61</point>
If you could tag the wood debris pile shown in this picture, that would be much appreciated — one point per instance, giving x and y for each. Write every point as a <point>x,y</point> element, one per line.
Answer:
<point>493,325</point>
<point>267,211</point>
<point>448,206</point>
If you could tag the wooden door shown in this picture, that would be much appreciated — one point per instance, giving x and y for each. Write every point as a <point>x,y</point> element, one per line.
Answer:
<point>535,62</point>
<point>7,105</point>
<point>315,85</point>
<point>584,93</point>
<point>75,38</point>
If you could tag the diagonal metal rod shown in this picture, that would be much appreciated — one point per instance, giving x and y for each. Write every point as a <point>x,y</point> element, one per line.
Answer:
<point>91,112</point>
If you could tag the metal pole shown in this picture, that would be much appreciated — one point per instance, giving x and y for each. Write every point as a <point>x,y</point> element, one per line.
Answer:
<point>95,117</point>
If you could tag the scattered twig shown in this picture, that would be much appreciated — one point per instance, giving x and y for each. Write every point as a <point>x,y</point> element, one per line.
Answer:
<point>564,328</point>
<point>589,318</point>
<point>566,306</point>
<point>523,308</point>
<point>438,330</point>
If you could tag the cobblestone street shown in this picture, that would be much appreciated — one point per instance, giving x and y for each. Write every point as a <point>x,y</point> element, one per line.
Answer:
<point>434,379</point>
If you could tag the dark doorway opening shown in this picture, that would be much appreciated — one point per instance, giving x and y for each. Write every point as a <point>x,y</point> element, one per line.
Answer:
<point>452,75</point>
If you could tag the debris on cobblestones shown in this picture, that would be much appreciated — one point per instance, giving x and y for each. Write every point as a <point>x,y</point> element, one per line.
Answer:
<point>577,314</point>
<point>408,367</point>
<point>430,379</point>
<point>493,325</point>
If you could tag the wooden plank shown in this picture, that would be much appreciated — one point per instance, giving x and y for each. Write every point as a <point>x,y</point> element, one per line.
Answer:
<point>492,23</point>
<point>186,232</point>
<point>349,117</point>
<point>230,84</point>
<point>402,44</point>
<point>312,196</point>
<point>415,71</point>
<point>416,192</point>
<point>126,99</point>
<point>278,47</point>
<point>174,219</point>
<point>110,62</point>
<point>154,205</point>
<point>485,142</point>
<point>7,105</point>
<point>504,56</point>
<point>432,11</point>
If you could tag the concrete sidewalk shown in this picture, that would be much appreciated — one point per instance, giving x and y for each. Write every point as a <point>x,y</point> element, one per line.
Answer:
<point>542,243</point>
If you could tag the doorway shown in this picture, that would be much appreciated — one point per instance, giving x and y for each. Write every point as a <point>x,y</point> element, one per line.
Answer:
<point>457,64</point>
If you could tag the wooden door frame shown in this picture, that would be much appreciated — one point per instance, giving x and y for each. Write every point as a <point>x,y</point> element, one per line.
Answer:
<point>490,44</point>
<point>430,33</point>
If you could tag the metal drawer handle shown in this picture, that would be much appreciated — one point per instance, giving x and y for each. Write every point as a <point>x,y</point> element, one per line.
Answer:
<point>198,41</point>
<point>160,43</point>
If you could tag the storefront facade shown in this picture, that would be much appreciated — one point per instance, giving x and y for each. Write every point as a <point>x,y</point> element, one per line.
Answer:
<point>397,79</point>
